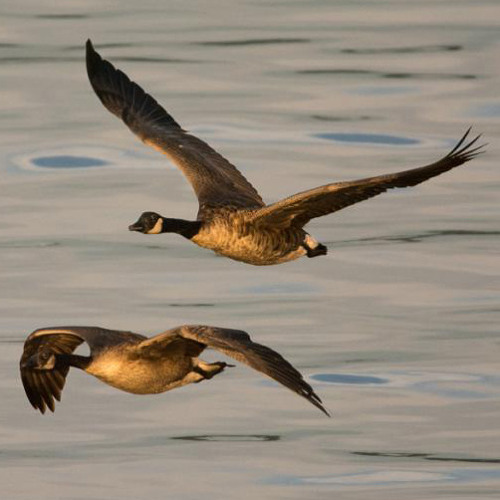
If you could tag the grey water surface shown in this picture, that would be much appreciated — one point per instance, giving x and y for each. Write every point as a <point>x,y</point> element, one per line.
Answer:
<point>397,328</point>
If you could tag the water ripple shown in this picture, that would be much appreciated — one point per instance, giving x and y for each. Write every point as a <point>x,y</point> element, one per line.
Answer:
<point>68,161</point>
<point>424,49</point>
<point>155,59</point>
<point>389,75</point>
<point>61,16</point>
<point>234,438</point>
<point>416,237</point>
<point>342,378</point>
<point>252,41</point>
<point>427,456</point>
<point>387,477</point>
<point>332,118</point>
<point>194,304</point>
<point>368,138</point>
<point>447,385</point>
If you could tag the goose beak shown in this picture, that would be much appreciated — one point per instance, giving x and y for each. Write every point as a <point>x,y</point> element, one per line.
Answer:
<point>136,226</point>
<point>29,363</point>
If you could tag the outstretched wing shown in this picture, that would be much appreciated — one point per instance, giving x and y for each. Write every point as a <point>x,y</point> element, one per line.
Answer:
<point>168,343</point>
<point>300,208</point>
<point>42,386</point>
<point>238,345</point>
<point>214,180</point>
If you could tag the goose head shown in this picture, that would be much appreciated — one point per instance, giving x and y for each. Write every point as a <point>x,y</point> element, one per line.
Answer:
<point>41,360</point>
<point>148,223</point>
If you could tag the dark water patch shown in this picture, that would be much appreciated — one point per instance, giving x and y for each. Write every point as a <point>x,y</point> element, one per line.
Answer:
<point>232,438</point>
<point>388,75</point>
<point>153,247</point>
<point>194,304</point>
<point>331,118</point>
<point>427,456</point>
<point>155,59</point>
<point>367,138</point>
<point>325,71</point>
<point>68,161</point>
<point>424,49</point>
<point>431,76</point>
<point>62,16</point>
<point>252,41</point>
<point>341,378</point>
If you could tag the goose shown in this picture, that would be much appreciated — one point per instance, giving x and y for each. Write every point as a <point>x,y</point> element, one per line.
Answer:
<point>141,365</point>
<point>232,219</point>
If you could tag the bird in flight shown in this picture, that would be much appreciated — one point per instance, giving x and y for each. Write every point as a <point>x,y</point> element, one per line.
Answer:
<point>232,219</point>
<point>141,365</point>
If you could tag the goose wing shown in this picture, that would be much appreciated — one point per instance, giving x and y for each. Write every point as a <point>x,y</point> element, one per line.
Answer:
<point>300,208</point>
<point>42,386</point>
<point>215,181</point>
<point>238,345</point>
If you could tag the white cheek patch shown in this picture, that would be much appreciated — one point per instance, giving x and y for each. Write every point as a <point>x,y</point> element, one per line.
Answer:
<point>156,228</point>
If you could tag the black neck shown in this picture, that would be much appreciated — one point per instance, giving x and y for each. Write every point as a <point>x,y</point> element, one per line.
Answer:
<point>67,360</point>
<point>185,228</point>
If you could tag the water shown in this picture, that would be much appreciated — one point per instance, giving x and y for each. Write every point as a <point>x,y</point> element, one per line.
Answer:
<point>397,328</point>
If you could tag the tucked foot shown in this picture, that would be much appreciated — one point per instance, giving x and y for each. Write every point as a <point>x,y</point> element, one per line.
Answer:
<point>319,249</point>
<point>209,370</point>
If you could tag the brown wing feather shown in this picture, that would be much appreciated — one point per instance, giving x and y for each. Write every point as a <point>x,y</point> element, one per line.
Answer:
<point>215,181</point>
<point>43,386</point>
<point>169,343</point>
<point>298,209</point>
<point>238,345</point>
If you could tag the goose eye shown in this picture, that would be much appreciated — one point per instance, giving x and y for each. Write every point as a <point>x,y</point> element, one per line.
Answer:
<point>44,356</point>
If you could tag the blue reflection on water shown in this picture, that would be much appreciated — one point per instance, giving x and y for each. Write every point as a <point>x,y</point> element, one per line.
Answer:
<point>486,110</point>
<point>68,161</point>
<point>368,138</point>
<point>341,378</point>
<point>375,477</point>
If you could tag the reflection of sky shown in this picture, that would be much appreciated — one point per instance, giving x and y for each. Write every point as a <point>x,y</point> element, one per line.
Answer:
<point>448,385</point>
<point>368,138</point>
<point>389,477</point>
<point>66,161</point>
<point>485,110</point>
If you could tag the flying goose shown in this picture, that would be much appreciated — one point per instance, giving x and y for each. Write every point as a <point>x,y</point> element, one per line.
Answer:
<point>141,365</point>
<point>233,220</point>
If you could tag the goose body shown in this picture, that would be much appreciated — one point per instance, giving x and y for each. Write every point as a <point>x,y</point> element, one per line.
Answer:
<point>122,369</point>
<point>232,234</point>
<point>232,219</point>
<point>139,365</point>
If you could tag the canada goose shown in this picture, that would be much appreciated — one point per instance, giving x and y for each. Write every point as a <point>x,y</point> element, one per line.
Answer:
<point>141,365</point>
<point>232,218</point>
